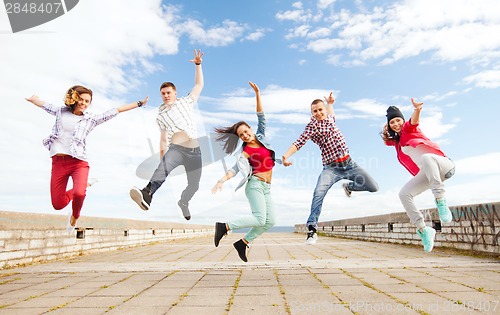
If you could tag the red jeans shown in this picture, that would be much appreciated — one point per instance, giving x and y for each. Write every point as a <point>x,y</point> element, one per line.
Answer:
<point>64,167</point>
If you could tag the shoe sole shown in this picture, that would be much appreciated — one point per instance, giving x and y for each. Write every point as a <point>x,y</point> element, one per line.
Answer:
<point>186,214</point>
<point>311,241</point>
<point>347,192</point>
<point>432,247</point>
<point>136,196</point>
<point>217,236</point>
<point>69,227</point>
<point>244,258</point>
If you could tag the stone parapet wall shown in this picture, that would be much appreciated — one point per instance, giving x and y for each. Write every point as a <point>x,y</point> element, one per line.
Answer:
<point>33,243</point>
<point>474,227</point>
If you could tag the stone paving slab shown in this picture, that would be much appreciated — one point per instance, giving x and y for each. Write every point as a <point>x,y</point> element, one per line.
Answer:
<point>283,276</point>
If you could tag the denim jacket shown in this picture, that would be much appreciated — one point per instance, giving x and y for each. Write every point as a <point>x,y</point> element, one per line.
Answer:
<point>242,164</point>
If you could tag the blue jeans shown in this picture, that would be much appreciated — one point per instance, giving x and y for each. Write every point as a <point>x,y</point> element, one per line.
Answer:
<point>359,180</point>
<point>262,218</point>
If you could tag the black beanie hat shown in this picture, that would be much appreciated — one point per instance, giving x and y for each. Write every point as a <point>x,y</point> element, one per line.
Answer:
<point>393,112</point>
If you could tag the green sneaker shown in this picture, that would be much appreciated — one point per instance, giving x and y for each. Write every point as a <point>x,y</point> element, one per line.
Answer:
<point>443,210</point>
<point>427,238</point>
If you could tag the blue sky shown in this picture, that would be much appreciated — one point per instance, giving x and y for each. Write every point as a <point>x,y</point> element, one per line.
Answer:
<point>371,54</point>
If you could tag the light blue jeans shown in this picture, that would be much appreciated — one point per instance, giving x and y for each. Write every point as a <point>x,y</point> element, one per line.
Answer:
<point>359,180</point>
<point>262,218</point>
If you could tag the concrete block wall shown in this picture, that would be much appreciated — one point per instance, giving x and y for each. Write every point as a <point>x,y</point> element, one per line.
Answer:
<point>474,227</point>
<point>19,246</point>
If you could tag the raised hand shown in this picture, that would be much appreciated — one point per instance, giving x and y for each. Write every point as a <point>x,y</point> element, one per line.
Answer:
<point>330,100</point>
<point>417,105</point>
<point>254,86</point>
<point>197,57</point>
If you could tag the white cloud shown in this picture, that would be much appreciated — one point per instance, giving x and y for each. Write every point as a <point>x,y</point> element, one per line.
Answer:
<point>368,107</point>
<point>486,79</point>
<point>449,30</point>
<point>283,102</point>
<point>323,4</point>
<point>298,15</point>
<point>91,45</point>
<point>320,32</point>
<point>255,36</point>
<point>465,166</point>
<point>218,36</point>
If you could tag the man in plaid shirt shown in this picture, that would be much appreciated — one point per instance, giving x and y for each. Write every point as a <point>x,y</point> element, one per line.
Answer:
<point>337,164</point>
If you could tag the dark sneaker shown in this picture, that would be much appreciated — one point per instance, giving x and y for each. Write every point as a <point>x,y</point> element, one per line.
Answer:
<point>220,231</point>
<point>185,209</point>
<point>347,191</point>
<point>142,197</point>
<point>241,247</point>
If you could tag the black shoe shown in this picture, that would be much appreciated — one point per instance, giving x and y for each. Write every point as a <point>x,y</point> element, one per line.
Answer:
<point>241,249</point>
<point>142,197</point>
<point>220,231</point>
<point>311,228</point>
<point>185,209</point>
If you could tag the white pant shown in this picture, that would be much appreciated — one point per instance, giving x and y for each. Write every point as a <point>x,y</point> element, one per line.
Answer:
<point>434,170</point>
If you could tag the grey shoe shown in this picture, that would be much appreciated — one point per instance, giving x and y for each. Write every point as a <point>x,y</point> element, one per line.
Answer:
<point>185,209</point>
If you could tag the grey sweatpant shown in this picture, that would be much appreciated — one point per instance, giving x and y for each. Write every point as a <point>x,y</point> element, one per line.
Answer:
<point>434,170</point>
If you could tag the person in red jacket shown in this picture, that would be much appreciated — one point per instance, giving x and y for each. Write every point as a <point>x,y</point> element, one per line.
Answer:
<point>424,159</point>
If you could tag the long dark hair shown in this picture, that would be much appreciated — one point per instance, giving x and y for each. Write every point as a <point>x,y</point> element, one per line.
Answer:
<point>229,136</point>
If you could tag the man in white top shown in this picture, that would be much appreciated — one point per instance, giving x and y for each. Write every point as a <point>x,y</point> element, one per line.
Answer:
<point>178,142</point>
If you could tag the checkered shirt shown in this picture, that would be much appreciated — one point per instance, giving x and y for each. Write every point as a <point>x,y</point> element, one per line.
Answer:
<point>327,136</point>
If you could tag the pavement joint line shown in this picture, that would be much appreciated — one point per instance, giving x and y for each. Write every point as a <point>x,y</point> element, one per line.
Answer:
<point>374,288</point>
<point>458,302</point>
<point>137,294</point>
<point>344,303</point>
<point>282,291</point>
<point>430,291</point>
<point>465,285</point>
<point>183,295</point>
<point>230,302</point>
<point>393,280</point>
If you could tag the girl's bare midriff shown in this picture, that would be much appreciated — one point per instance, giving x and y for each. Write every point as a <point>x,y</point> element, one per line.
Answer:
<point>267,176</point>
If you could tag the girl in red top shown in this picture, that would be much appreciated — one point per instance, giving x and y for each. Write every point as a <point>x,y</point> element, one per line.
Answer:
<point>255,162</point>
<point>425,161</point>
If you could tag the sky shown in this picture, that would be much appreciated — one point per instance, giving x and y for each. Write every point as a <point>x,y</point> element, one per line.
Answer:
<point>370,54</point>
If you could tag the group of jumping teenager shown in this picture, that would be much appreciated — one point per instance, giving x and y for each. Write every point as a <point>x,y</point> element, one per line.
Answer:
<point>423,158</point>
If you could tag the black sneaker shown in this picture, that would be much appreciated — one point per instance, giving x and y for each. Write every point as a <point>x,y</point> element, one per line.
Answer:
<point>185,209</point>
<point>142,197</point>
<point>241,249</point>
<point>220,231</point>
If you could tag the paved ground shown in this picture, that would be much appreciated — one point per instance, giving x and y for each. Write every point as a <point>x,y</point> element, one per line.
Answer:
<point>283,276</point>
